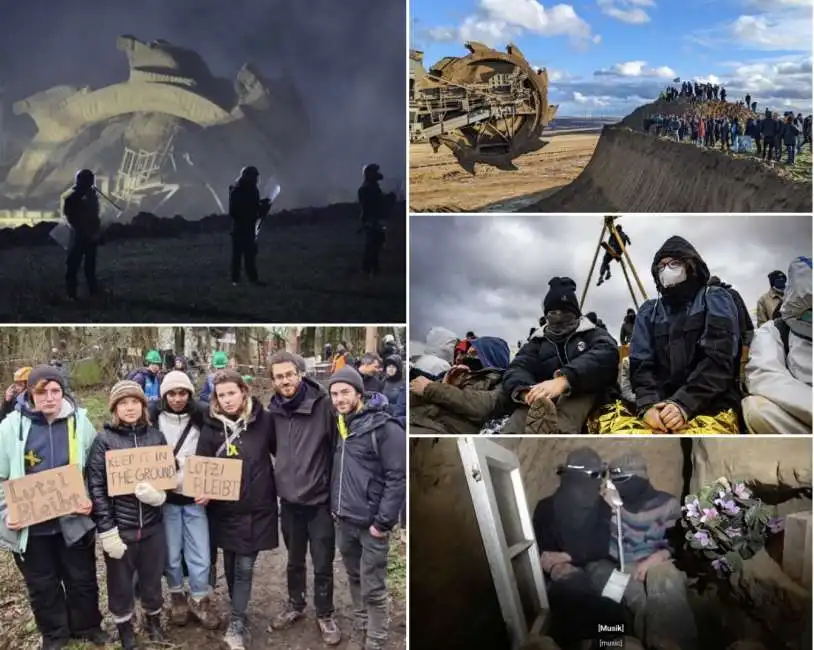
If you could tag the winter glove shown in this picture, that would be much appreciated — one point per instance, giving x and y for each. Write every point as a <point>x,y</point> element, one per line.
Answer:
<point>146,493</point>
<point>113,544</point>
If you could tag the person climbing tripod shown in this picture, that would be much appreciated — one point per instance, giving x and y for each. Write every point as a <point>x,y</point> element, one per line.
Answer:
<point>613,251</point>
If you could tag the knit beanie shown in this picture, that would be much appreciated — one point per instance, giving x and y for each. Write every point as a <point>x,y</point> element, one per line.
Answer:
<point>125,388</point>
<point>632,463</point>
<point>348,375</point>
<point>46,373</point>
<point>561,295</point>
<point>174,380</point>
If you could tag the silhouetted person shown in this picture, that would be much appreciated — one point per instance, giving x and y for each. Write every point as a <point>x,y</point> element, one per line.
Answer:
<point>375,207</point>
<point>613,251</point>
<point>246,210</point>
<point>81,209</point>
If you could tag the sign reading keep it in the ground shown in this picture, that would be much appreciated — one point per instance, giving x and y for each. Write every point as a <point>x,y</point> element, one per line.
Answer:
<point>126,468</point>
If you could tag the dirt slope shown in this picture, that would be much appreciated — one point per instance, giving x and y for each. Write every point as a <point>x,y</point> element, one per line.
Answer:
<point>633,172</point>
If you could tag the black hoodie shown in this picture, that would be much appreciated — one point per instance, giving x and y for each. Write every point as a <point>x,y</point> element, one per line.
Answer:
<point>685,343</point>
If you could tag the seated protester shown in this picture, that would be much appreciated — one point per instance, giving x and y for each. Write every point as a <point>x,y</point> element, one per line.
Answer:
<point>237,426</point>
<point>130,526</point>
<point>57,558</point>
<point>656,594</point>
<point>557,378</point>
<point>468,396</point>
<point>746,328</point>
<point>370,367</point>
<point>186,526</point>
<point>778,372</point>
<point>440,344</point>
<point>682,354</point>
<point>572,530</point>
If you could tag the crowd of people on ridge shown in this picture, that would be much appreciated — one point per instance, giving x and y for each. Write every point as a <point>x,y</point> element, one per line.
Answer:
<point>338,473</point>
<point>692,362</point>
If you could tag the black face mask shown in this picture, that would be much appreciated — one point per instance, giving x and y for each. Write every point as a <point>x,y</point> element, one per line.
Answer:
<point>473,363</point>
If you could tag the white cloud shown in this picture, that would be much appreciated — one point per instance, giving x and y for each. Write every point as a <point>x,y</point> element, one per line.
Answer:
<point>636,69</point>
<point>628,11</point>
<point>499,21</point>
<point>785,26</point>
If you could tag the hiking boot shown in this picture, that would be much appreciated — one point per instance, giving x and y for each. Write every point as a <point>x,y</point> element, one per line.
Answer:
<point>153,629</point>
<point>235,636</point>
<point>127,637</point>
<point>331,635</point>
<point>179,610</point>
<point>542,418</point>
<point>205,612</point>
<point>96,637</point>
<point>54,644</point>
<point>286,619</point>
<point>599,283</point>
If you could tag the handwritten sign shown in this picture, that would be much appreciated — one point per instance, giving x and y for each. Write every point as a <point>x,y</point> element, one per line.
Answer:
<point>212,478</point>
<point>45,495</point>
<point>126,468</point>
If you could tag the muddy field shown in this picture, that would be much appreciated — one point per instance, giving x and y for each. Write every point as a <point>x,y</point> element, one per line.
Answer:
<point>312,268</point>
<point>439,184</point>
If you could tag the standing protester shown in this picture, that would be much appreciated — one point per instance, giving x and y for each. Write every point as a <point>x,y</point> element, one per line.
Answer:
<point>56,558</point>
<point>180,419</point>
<point>149,377</point>
<point>370,367</point>
<point>367,493</point>
<point>626,333</point>
<point>219,361</point>
<point>770,301</point>
<point>130,526</point>
<point>13,392</point>
<point>246,209</point>
<point>306,438</point>
<point>81,209</point>
<point>375,207</point>
<point>238,427</point>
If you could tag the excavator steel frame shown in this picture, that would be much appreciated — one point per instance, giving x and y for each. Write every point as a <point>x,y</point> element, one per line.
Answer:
<point>608,226</point>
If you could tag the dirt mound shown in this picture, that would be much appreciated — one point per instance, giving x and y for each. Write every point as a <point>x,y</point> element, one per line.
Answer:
<point>634,172</point>
<point>145,225</point>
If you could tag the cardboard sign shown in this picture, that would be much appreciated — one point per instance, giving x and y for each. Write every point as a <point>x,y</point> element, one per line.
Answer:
<point>217,479</point>
<point>128,467</point>
<point>45,495</point>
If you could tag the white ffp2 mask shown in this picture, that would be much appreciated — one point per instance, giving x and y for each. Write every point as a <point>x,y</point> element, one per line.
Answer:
<point>670,276</point>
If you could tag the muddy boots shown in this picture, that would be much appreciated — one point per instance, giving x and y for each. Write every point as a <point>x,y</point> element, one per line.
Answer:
<point>205,612</point>
<point>236,636</point>
<point>127,636</point>
<point>153,628</point>
<point>179,610</point>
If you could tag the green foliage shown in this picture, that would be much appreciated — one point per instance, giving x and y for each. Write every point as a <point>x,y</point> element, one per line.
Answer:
<point>86,373</point>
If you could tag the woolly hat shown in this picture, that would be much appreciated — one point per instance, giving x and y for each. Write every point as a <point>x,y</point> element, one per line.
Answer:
<point>125,388</point>
<point>561,295</point>
<point>174,380</point>
<point>631,463</point>
<point>348,375</point>
<point>46,373</point>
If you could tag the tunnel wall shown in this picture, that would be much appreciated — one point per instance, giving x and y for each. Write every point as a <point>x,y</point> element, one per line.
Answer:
<point>634,172</point>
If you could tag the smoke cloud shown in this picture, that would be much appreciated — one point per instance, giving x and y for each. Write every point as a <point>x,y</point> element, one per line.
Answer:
<point>347,59</point>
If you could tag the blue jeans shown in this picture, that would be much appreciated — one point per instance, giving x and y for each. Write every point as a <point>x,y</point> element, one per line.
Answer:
<point>188,536</point>
<point>790,154</point>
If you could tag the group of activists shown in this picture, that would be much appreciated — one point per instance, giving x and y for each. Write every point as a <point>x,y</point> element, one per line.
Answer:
<point>247,210</point>
<point>325,466</point>
<point>695,363</point>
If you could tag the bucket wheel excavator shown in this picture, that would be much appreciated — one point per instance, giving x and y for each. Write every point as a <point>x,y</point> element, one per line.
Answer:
<point>488,107</point>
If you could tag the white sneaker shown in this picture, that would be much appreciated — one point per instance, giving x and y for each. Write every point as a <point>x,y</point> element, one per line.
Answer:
<point>235,637</point>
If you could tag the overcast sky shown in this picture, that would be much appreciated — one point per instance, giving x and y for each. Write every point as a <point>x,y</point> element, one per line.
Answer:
<point>490,273</point>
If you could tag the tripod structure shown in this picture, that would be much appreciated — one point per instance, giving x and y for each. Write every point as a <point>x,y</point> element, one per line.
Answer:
<point>609,227</point>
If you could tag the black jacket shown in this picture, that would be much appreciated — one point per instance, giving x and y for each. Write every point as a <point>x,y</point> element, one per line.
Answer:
<point>250,524</point>
<point>81,209</point>
<point>372,383</point>
<point>685,344</point>
<point>244,207</point>
<point>589,360</point>
<point>392,386</point>
<point>306,440</point>
<point>133,518</point>
<point>375,206</point>
<point>369,477</point>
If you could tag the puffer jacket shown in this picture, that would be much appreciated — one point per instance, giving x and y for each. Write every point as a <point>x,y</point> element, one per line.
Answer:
<point>368,483</point>
<point>134,519</point>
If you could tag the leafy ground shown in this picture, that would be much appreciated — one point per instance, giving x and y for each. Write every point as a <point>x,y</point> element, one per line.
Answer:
<point>313,271</point>
<point>269,595</point>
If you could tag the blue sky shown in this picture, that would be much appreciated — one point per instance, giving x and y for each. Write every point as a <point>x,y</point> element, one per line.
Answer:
<point>606,57</point>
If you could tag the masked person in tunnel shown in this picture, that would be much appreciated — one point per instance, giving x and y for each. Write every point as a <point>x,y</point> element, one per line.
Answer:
<point>778,372</point>
<point>770,301</point>
<point>572,530</point>
<point>81,210</point>
<point>656,594</point>
<point>246,209</point>
<point>613,251</point>
<point>683,351</point>
<point>469,395</point>
<point>560,374</point>
<point>376,206</point>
